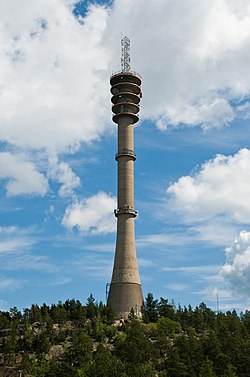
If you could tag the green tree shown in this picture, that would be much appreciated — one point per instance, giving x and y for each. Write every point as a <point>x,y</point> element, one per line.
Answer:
<point>75,310</point>
<point>207,369</point>
<point>4,320</point>
<point>246,320</point>
<point>198,319</point>
<point>136,348</point>
<point>58,313</point>
<point>81,348</point>
<point>150,308</point>
<point>209,316</point>
<point>35,313</point>
<point>230,371</point>
<point>107,313</point>
<point>140,370</point>
<point>41,343</point>
<point>91,307</point>
<point>10,343</point>
<point>61,369</point>
<point>174,366</point>
<point>103,365</point>
<point>15,314</point>
<point>26,364</point>
<point>211,345</point>
<point>27,338</point>
<point>168,326</point>
<point>165,309</point>
<point>190,351</point>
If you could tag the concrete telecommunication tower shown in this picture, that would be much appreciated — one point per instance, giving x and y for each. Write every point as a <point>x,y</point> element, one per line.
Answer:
<point>125,289</point>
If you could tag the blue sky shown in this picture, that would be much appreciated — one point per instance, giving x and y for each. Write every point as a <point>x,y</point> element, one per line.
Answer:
<point>57,147</point>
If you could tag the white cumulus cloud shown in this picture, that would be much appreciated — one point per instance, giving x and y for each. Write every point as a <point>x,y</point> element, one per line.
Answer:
<point>53,78</point>
<point>236,270</point>
<point>21,176</point>
<point>94,215</point>
<point>62,172</point>
<point>219,187</point>
<point>51,74</point>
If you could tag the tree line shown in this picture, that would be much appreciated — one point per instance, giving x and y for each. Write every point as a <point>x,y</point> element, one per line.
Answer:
<point>72,339</point>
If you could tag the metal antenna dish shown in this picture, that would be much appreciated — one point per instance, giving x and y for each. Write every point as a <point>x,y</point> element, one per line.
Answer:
<point>125,59</point>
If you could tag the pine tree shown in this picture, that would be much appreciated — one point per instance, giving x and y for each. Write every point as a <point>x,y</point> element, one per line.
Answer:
<point>207,369</point>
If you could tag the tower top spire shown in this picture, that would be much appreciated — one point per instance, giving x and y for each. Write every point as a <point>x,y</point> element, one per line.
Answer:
<point>125,59</point>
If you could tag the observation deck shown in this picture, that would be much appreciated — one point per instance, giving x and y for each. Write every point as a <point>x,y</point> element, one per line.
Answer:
<point>125,210</point>
<point>126,95</point>
<point>125,152</point>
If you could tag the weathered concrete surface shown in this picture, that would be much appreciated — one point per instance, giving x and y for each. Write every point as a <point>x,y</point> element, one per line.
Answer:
<point>125,289</point>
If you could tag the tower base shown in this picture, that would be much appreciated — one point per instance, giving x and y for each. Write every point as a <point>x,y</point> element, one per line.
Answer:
<point>125,296</point>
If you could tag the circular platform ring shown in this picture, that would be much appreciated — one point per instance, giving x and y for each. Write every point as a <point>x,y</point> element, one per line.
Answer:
<point>125,77</point>
<point>125,107</point>
<point>125,87</point>
<point>134,117</point>
<point>134,98</point>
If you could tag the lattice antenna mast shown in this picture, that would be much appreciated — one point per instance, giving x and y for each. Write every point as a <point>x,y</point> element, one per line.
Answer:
<point>125,59</point>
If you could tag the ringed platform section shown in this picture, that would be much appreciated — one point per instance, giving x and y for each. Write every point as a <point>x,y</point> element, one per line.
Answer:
<point>126,95</point>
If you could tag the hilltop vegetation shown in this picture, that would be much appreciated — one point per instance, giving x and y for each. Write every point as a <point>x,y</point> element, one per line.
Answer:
<point>71,339</point>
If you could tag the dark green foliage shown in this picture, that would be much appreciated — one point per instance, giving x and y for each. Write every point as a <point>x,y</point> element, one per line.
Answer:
<point>165,309</point>
<point>75,310</point>
<point>136,347</point>
<point>230,371</point>
<point>60,369</point>
<point>103,365</point>
<point>150,309</point>
<point>15,314</point>
<point>168,326</point>
<point>140,370</point>
<point>58,313</point>
<point>41,343</point>
<point>107,313</point>
<point>91,307</point>
<point>81,349</point>
<point>207,369</point>
<point>71,339</point>
<point>26,364</point>
<point>4,320</point>
<point>175,366</point>
<point>35,314</point>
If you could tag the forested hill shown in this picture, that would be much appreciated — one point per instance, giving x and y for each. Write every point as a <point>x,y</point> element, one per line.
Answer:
<point>71,339</point>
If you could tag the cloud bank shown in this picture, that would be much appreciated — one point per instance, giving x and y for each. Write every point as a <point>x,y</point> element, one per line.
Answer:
<point>216,197</point>
<point>237,267</point>
<point>51,74</point>
<point>54,71</point>
<point>193,56</point>
<point>54,92</point>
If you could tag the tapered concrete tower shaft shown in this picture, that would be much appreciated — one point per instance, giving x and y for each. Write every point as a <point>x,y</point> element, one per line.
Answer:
<point>125,289</point>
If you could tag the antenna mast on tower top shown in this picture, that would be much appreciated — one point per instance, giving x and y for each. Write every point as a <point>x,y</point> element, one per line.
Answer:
<point>125,59</point>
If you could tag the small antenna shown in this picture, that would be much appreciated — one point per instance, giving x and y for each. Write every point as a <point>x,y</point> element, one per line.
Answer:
<point>107,291</point>
<point>125,59</point>
<point>217,301</point>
